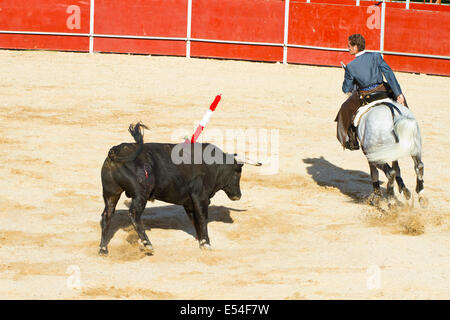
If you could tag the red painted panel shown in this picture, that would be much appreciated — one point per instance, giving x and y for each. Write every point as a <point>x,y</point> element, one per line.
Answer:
<point>235,51</point>
<point>64,43</point>
<point>318,57</point>
<point>161,47</point>
<point>157,18</point>
<point>415,31</point>
<point>421,65</point>
<point>237,20</point>
<point>412,5</point>
<point>332,2</point>
<point>329,26</point>
<point>418,6</point>
<point>45,16</point>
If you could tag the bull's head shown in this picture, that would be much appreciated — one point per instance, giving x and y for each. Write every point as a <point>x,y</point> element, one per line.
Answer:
<point>233,188</point>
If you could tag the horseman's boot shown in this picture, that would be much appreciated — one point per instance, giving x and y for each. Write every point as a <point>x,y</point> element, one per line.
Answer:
<point>352,142</point>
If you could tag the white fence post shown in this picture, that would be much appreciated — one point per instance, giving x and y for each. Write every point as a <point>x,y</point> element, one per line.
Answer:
<point>383,16</point>
<point>286,29</point>
<point>91,27</point>
<point>188,36</point>
<point>358,2</point>
<point>407,4</point>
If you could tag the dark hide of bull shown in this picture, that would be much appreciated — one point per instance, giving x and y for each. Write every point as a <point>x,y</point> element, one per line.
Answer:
<point>145,171</point>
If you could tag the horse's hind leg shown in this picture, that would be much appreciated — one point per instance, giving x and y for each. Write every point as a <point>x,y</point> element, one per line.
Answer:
<point>418,166</point>
<point>401,185</point>
<point>374,198</point>
<point>390,174</point>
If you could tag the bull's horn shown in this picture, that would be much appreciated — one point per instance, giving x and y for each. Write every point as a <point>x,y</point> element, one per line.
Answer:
<point>247,161</point>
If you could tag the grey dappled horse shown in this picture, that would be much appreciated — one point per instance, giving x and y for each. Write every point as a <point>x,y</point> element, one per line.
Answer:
<point>387,132</point>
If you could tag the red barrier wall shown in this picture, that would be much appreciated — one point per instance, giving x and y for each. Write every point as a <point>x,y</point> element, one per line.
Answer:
<point>69,16</point>
<point>153,18</point>
<point>430,36</point>
<point>237,20</point>
<point>321,23</point>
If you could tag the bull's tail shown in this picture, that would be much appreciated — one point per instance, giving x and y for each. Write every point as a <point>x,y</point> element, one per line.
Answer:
<point>408,143</point>
<point>137,131</point>
<point>126,151</point>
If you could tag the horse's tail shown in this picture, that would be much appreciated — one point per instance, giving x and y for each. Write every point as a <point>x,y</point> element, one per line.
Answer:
<point>126,151</point>
<point>407,142</point>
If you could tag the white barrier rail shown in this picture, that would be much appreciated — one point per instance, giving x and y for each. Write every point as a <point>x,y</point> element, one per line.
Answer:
<point>282,45</point>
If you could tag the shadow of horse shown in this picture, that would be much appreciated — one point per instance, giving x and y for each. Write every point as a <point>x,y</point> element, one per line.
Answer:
<point>353,183</point>
<point>172,217</point>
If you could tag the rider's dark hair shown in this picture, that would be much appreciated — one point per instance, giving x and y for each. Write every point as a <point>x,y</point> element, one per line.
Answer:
<point>358,40</point>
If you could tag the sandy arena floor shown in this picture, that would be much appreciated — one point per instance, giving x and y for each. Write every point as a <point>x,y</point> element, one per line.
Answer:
<point>303,233</point>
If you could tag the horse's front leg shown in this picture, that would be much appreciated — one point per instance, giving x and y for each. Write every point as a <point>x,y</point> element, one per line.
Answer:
<point>375,197</point>
<point>418,166</point>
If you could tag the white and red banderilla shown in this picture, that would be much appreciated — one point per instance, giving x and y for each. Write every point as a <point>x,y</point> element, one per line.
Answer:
<point>205,119</point>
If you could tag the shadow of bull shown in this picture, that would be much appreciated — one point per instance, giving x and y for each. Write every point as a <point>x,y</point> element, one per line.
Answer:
<point>171,217</point>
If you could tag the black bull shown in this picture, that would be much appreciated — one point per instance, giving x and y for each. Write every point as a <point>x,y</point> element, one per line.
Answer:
<point>146,171</point>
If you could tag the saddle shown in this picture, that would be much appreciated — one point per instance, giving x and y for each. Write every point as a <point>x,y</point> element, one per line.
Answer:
<point>373,96</point>
<point>365,108</point>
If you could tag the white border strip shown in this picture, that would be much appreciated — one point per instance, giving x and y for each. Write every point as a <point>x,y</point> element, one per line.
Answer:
<point>268,44</point>
<point>91,27</point>
<point>137,37</point>
<point>383,18</point>
<point>286,31</point>
<point>189,24</point>
<point>39,33</point>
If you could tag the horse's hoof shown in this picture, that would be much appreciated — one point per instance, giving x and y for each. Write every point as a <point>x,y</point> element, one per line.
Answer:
<point>407,193</point>
<point>374,199</point>
<point>103,251</point>
<point>423,201</point>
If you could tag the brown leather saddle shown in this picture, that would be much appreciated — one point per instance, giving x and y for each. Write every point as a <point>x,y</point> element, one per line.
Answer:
<point>376,95</point>
<point>373,96</point>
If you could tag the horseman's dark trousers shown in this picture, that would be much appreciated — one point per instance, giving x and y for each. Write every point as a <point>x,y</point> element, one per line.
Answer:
<point>345,116</point>
<point>348,110</point>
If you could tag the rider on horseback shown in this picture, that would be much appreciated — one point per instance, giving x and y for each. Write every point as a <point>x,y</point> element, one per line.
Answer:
<point>365,73</point>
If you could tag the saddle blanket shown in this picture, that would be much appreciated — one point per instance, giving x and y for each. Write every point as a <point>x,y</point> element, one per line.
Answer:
<point>362,110</point>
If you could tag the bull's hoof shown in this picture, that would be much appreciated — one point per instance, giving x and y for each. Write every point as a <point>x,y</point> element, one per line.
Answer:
<point>147,248</point>
<point>103,251</point>
<point>205,246</point>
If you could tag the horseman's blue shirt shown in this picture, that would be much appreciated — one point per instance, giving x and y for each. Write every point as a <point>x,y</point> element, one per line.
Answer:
<point>366,70</point>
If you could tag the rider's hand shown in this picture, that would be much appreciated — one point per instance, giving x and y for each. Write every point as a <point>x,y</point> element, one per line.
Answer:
<point>401,99</point>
